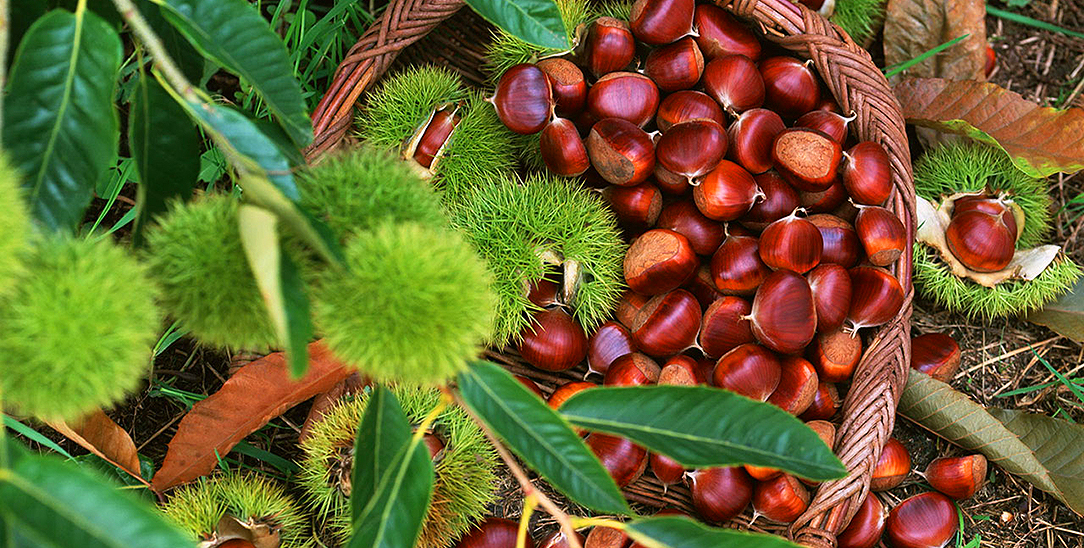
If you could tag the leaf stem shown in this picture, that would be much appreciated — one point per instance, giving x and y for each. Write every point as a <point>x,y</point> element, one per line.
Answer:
<point>529,504</point>
<point>150,40</point>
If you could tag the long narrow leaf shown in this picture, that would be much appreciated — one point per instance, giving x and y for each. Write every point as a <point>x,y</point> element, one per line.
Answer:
<point>681,532</point>
<point>536,22</point>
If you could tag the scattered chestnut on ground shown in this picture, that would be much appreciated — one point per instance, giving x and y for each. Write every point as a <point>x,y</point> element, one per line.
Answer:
<point>957,477</point>
<point>892,467</point>
<point>935,354</point>
<point>926,520</point>
<point>493,532</point>
<point>553,341</point>
<point>719,494</point>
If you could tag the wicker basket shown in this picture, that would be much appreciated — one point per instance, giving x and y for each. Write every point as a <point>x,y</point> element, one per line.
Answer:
<point>857,85</point>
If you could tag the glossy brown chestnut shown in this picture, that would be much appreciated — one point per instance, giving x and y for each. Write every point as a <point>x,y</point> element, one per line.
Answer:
<point>658,261</point>
<point>680,370</point>
<point>982,242</point>
<point>620,151</point>
<point>762,473</point>
<point>626,95</point>
<point>531,385</point>
<point>892,467</point>
<point>724,326</point>
<point>876,297</point>
<point>610,46</point>
<point>882,234</point>
<point>606,537</point>
<point>610,341</point>
<point>957,477</point>
<point>666,469</point>
<point>993,206</point>
<point>434,444</point>
<point>806,158</point>
<point>553,341</point>
<point>751,136</point>
<point>736,267</point>
<point>558,539</point>
<point>790,87</point>
<point>493,532</point>
<point>727,193</point>
<point>691,149</point>
<point>720,494</point>
<point>624,460</point>
<point>840,243</point>
<point>835,354</point>
<point>825,403</point>
<point>667,324</point>
<point>720,34</point>
<point>866,173</point>
<point>825,430</point>
<point>630,304</point>
<point>544,292</point>
<point>562,150</point>
<point>831,286</point>
<point>779,200</point>
<point>702,286</point>
<point>670,183</point>
<point>791,243</point>
<point>636,207</point>
<point>658,22</point>
<point>633,369</point>
<point>926,520</point>
<point>734,82</point>
<point>568,83</point>
<point>781,499</point>
<point>524,99</point>
<point>750,370</point>
<point>827,121</point>
<point>704,234</point>
<point>675,66</point>
<point>824,201</point>
<point>797,386</point>
<point>935,354</point>
<point>784,317</point>
<point>866,526</point>
<point>436,134</point>
<point>561,394</point>
<point>685,105</point>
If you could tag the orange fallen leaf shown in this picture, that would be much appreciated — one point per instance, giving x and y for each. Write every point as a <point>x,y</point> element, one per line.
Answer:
<point>97,433</point>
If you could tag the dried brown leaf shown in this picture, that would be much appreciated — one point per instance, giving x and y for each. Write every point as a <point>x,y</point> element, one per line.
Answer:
<point>257,393</point>
<point>97,433</point>
<point>913,27</point>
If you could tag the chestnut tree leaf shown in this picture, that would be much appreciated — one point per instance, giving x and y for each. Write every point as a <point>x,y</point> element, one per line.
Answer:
<point>702,426</point>
<point>1040,141</point>
<point>682,532</point>
<point>1057,443</point>
<point>536,22</point>
<point>97,433</point>
<point>539,436</point>
<point>1064,316</point>
<point>913,27</point>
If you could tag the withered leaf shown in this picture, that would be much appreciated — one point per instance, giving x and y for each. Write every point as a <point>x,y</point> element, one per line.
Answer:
<point>97,433</point>
<point>913,27</point>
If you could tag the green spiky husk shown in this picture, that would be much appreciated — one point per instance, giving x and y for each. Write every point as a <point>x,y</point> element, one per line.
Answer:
<point>510,222</point>
<point>506,51</point>
<point>861,19</point>
<point>198,506</point>
<point>528,149</point>
<point>365,187</point>
<point>480,148</point>
<point>465,476</point>
<point>14,226</point>
<point>414,304</point>
<point>77,331</point>
<point>196,256</point>
<point>618,9</point>
<point>936,282</point>
<point>973,167</point>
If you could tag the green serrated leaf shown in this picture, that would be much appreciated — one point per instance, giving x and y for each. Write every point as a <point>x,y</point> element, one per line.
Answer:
<point>392,477</point>
<point>536,22</point>
<point>702,426</point>
<point>60,126</point>
<point>165,147</point>
<point>541,437</point>
<point>682,532</point>
<point>234,34</point>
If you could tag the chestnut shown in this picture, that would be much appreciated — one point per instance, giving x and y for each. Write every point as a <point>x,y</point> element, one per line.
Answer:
<point>568,83</point>
<point>531,385</point>
<point>667,470</point>
<point>993,206</point>
<point>727,193</point>
<point>736,266</point>
<point>836,354</point>
<point>633,369</point>
<point>825,430</point>
<point>670,183</point>
<point>724,327</point>
<point>624,460</point>
<point>762,473</point>
<point>957,477</point>
<point>790,87</point>
<point>784,317</point>
<point>606,537</point>
<point>892,467</point>
<point>636,207</point>
<point>751,137</point>
<point>797,386</point>
<point>791,243</point>
<point>620,151</point>
<point>432,140</point>
<point>750,370</point>
<point>779,200</point>
<point>544,293</point>
<point>831,286</point>
<point>834,124</point>
<point>630,304</point>
<point>720,34</point>
<point>562,150</point>
<point>493,532</point>
<point>982,242</point>
<point>935,354</point>
<point>610,46</point>
<point>734,82</point>
<point>610,341</point>
<point>826,401</point>
<point>806,158</point>
<point>626,95</point>
<point>691,149</point>
<point>553,341</point>
<point>680,370</point>
<point>866,526</point>
<point>561,394</point>
<point>702,286</point>
<point>823,201</point>
<point>658,22</point>
<point>524,99</point>
<point>866,172</point>
<point>720,494</point>
<point>704,234</point>
<point>882,234</point>
<point>675,66</point>
<point>658,261</point>
<point>558,539</point>
<point>840,243</point>
<point>782,498</point>
<point>926,520</point>
<point>667,324</point>
<point>876,297</point>
<point>685,105</point>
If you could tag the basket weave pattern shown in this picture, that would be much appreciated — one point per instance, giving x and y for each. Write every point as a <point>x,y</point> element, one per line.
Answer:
<point>858,87</point>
